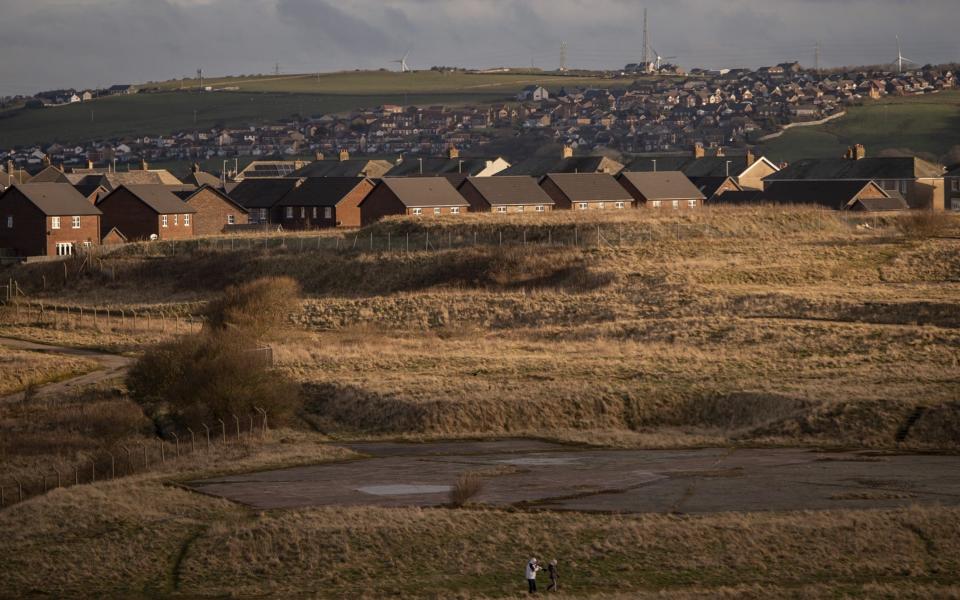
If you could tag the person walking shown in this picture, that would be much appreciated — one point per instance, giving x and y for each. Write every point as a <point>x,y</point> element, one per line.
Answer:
<point>531,574</point>
<point>554,573</point>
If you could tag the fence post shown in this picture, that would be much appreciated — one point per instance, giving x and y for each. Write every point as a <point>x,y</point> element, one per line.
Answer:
<point>264,413</point>
<point>251,424</point>
<point>176,440</point>
<point>144,447</point>
<point>113,466</point>
<point>19,490</point>
<point>129,462</point>
<point>208,435</point>
<point>598,235</point>
<point>193,446</point>
<point>371,240</point>
<point>3,499</point>
<point>93,471</point>
<point>237,421</point>
<point>408,242</point>
<point>76,476</point>
<point>163,455</point>
<point>223,428</point>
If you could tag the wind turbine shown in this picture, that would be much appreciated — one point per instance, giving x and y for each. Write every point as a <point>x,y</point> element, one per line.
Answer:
<point>660,59</point>
<point>403,62</point>
<point>901,58</point>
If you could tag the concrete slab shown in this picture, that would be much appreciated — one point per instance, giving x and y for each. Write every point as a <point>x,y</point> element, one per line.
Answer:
<point>538,474</point>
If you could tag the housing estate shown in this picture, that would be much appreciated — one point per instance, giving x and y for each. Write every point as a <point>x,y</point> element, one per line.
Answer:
<point>316,202</point>
<point>144,212</point>
<point>661,189</point>
<point>46,219</point>
<point>416,196</point>
<point>586,191</point>
<point>215,211</point>
<point>505,194</point>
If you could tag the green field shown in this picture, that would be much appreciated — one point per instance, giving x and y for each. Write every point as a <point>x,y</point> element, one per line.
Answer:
<point>260,100</point>
<point>928,125</point>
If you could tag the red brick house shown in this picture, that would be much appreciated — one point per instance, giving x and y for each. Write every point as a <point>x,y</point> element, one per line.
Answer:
<point>586,191</point>
<point>415,196</point>
<point>140,212</point>
<point>661,189</point>
<point>215,210</point>
<point>46,219</point>
<point>317,202</point>
<point>507,194</point>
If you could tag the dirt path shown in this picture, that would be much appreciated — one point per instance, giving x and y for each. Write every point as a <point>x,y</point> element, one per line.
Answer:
<point>110,366</point>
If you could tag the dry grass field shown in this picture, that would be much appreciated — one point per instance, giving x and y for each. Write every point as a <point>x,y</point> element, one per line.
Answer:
<point>20,369</point>
<point>721,327</point>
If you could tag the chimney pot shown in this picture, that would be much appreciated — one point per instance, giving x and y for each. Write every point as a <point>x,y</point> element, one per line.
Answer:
<point>698,151</point>
<point>318,155</point>
<point>453,152</point>
<point>143,165</point>
<point>567,151</point>
<point>344,155</point>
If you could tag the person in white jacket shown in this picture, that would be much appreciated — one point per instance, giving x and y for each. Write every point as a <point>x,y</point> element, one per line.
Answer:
<point>533,566</point>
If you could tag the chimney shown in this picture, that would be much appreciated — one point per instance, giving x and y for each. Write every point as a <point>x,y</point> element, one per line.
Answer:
<point>721,152</point>
<point>318,155</point>
<point>46,160</point>
<point>89,164</point>
<point>856,152</point>
<point>344,155</point>
<point>750,157</point>
<point>567,151</point>
<point>698,151</point>
<point>10,170</point>
<point>195,168</point>
<point>143,165</point>
<point>453,152</point>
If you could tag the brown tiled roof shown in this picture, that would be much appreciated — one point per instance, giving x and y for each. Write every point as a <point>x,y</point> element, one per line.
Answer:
<point>320,191</point>
<point>57,199</point>
<point>590,186</point>
<point>663,185</point>
<point>159,198</point>
<point>187,195</point>
<point>510,190</point>
<point>424,191</point>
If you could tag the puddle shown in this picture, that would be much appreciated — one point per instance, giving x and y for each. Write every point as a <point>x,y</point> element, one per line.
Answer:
<point>403,489</point>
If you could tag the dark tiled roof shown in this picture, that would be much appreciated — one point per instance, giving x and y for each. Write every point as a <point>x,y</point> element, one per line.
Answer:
<point>321,191</point>
<point>439,166</point>
<point>57,199</point>
<point>187,195</point>
<point>261,193</point>
<point>540,166</point>
<point>50,174</point>
<point>202,178</point>
<point>744,197</point>
<point>663,185</point>
<point>580,187</point>
<point>707,166</point>
<point>836,194</point>
<point>907,167</point>
<point>159,198</point>
<point>353,167</point>
<point>708,186</point>
<point>424,191</point>
<point>893,202</point>
<point>260,169</point>
<point>954,173</point>
<point>511,190</point>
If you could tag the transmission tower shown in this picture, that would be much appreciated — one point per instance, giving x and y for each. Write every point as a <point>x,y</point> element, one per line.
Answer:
<point>816,57</point>
<point>200,77</point>
<point>645,60</point>
<point>563,56</point>
<point>276,68</point>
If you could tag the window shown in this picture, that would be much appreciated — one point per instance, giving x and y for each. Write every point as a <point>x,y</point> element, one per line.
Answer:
<point>955,185</point>
<point>501,209</point>
<point>64,249</point>
<point>163,220</point>
<point>186,220</point>
<point>231,220</point>
<point>599,204</point>
<point>619,205</point>
<point>655,204</point>
<point>75,224</point>
<point>455,210</point>
<point>313,212</point>
<point>327,212</point>
<point>289,212</point>
<point>676,203</point>
<point>9,222</point>
<point>520,209</point>
<point>692,203</point>
<point>303,212</point>
<point>903,187</point>
<point>263,215</point>
<point>176,220</point>
<point>436,211</point>
<point>54,222</point>
<point>582,206</point>
<point>539,208</point>
<point>418,211</point>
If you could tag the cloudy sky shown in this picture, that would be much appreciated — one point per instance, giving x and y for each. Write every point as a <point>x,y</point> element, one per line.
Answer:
<point>84,43</point>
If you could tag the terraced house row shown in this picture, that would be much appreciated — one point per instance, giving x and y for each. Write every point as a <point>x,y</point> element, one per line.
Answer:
<point>111,208</point>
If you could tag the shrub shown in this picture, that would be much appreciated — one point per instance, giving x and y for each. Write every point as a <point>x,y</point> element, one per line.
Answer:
<point>467,486</point>
<point>202,378</point>
<point>260,307</point>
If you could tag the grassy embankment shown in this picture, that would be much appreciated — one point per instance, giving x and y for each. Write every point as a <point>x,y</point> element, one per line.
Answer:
<point>928,125</point>
<point>757,326</point>
<point>20,369</point>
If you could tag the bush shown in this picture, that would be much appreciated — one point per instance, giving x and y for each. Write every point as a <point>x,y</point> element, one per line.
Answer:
<point>467,486</point>
<point>260,307</point>
<point>201,378</point>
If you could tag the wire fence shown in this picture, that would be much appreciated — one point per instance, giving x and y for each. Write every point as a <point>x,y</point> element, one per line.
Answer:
<point>102,319</point>
<point>189,448</point>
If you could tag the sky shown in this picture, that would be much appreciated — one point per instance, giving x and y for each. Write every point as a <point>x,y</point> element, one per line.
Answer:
<point>46,44</point>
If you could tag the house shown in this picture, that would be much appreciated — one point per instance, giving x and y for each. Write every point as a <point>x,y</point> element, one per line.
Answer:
<point>451,166</point>
<point>567,163</point>
<point>952,185</point>
<point>46,219</point>
<point>200,178</point>
<point>50,174</point>
<point>144,212</point>
<point>921,183</point>
<point>585,191</point>
<point>661,189</point>
<point>505,194</point>
<point>834,194</point>
<point>416,196</point>
<point>215,210</point>
<point>269,169</point>
<point>534,93</point>
<point>122,89</point>
<point>12,175</point>
<point>747,170</point>
<point>260,196</point>
<point>316,202</point>
<point>112,180</point>
<point>344,166</point>
<point>712,187</point>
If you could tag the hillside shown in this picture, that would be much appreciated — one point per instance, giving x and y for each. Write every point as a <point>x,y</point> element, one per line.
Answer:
<point>259,100</point>
<point>925,125</point>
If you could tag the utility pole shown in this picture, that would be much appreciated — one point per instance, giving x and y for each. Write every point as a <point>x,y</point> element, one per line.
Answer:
<point>563,56</point>
<point>276,69</point>
<point>200,78</point>
<point>645,60</point>
<point>816,57</point>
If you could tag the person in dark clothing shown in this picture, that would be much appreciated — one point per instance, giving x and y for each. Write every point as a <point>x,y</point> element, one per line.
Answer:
<point>554,573</point>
